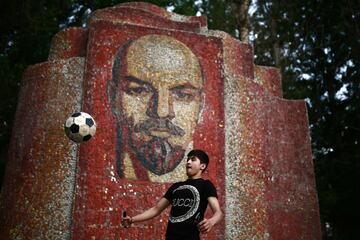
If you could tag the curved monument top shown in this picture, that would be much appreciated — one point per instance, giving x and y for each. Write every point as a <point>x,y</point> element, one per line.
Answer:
<point>146,14</point>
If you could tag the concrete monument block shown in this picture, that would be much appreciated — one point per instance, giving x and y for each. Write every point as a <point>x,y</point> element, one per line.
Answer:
<point>158,84</point>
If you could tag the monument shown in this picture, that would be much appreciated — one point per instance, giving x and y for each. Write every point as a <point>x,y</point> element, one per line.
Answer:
<point>158,84</point>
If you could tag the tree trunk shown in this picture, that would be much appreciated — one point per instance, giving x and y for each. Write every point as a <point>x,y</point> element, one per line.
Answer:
<point>242,18</point>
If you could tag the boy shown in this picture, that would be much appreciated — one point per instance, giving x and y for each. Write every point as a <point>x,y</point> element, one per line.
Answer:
<point>189,200</point>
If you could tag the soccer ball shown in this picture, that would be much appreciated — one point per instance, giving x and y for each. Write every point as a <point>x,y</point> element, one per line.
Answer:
<point>80,127</point>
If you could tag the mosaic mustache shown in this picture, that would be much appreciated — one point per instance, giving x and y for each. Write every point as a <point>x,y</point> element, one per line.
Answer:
<point>160,125</point>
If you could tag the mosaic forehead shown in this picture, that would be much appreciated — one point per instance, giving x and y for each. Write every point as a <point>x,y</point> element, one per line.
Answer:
<point>165,58</point>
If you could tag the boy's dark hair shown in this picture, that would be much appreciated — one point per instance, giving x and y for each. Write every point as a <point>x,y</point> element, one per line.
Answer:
<point>201,155</point>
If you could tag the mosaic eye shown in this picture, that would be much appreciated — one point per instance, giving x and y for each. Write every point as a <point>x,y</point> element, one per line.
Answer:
<point>137,90</point>
<point>185,94</point>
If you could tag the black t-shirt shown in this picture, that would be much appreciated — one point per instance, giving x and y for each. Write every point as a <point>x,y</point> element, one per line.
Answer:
<point>189,202</point>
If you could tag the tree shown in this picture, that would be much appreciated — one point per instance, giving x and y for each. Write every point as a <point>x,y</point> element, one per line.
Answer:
<point>316,45</point>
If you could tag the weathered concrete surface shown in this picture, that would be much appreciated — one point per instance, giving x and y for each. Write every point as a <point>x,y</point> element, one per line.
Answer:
<point>37,195</point>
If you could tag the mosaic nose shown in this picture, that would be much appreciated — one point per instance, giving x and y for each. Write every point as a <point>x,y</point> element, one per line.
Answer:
<point>161,105</point>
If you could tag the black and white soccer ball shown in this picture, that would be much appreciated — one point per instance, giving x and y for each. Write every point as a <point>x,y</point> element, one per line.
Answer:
<point>80,127</point>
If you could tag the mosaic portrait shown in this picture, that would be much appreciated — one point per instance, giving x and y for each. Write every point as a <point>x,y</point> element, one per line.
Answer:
<point>156,97</point>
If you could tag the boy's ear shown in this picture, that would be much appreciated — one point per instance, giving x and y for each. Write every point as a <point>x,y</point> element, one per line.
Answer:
<point>202,166</point>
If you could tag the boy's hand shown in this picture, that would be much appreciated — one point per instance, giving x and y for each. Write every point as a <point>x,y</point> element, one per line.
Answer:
<point>205,225</point>
<point>126,222</point>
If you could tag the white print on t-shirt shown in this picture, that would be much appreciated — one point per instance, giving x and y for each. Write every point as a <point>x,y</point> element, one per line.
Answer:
<point>186,202</point>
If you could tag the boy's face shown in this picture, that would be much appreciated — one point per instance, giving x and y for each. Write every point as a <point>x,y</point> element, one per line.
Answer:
<point>194,167</point>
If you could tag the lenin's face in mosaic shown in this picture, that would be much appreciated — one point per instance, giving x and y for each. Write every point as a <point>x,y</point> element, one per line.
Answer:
<point>160,99</point>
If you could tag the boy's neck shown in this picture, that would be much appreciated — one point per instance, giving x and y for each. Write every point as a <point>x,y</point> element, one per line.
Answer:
<point>195,177</point>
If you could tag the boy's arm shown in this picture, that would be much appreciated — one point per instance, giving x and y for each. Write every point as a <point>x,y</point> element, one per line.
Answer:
<point>148,214</point>
<point>206,225</point>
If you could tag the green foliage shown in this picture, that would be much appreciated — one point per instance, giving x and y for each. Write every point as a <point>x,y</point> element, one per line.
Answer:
<point>319,49</point>
<point>314,43</point>
<point>221,16</point>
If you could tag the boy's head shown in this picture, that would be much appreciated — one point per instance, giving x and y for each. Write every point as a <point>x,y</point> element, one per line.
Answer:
<point>201,155</point>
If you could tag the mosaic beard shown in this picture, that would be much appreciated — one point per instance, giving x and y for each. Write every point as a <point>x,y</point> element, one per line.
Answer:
<point>158,155</point>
